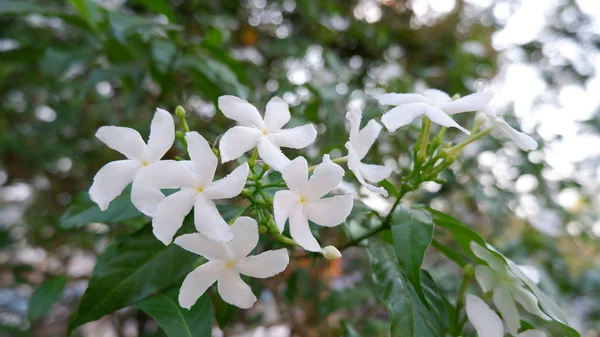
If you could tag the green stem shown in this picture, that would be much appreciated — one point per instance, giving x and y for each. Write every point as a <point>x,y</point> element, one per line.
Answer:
<point>467,272</point>
<point>423,145</point>
<point>180,112</point>
<point>456,149</point>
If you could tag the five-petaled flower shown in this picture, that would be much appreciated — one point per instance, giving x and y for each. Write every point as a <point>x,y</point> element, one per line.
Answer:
<point>197,190</point>
<point>359,144</point>
<point>487,323</point>
<point>433,103</point>
<point>506,288</point>
<point>267,135</point>
<point>112,178</point>
<point>304,200</point>
<point>226,261</point>
<point>522,140</point>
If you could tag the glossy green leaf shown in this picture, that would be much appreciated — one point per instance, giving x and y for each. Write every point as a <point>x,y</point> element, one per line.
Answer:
<point>464,235</point>
<point>158,6</point>
<point>130,270</point>
<point>409,316</point>
<point>89,11</point>
<point>24,7</point>
<point>44,297</point>
<point>224,312</point>
<point>83,211</point>
<point>176,321</point>
<point>412,232</point>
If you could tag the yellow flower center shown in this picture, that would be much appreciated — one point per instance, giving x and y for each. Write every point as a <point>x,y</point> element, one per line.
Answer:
<point>302,200</point>
<point>265,132</point>
<point>229,264</point>
<point>200,190</point>
<point>145,163</point>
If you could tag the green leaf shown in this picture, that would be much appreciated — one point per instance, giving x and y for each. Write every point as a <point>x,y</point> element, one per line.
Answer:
<point>409,316</point>
<point>349,330</point>
<point>390,188</point>
<point>83,211</point>
<point>224,312</point>
<point>464,235</point>
<point>158,6</point>
<point>176,321</point>
<point>412,232</point>
<point>44,297</point>
<point>89,11</point>
<point>130,270</point>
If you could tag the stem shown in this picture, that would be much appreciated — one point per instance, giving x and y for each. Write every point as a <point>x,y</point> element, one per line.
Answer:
<point>336,160</point>
<point>467,272</point>
<point>180,112</point>
<point>455,150</point>
<point>423,145</point>
<point>285,240</point>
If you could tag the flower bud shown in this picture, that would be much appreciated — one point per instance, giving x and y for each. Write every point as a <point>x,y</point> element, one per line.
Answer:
<point>180,111</point>
<point>331,253</point>
<point>480,118</point>
<point>262,229</point>
<point>468,270</point>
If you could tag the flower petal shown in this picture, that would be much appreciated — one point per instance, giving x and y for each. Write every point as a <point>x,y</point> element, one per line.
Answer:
<point>111,180</point>
<point>324,179</point>
<point>522,140</point>
<point>162,135</point>
<point>355,166</point>
<point>506,305</point>
<point>237,141</point>
<point>201,245</point>
<point>170,213</point>
<point>295,175</point>
<point>245,237</point>
<point>398,99</point>
<point>294,138</point>
<point>486,277</point>
<point>209,221</point>
<point>366,137</point>
<point>485,321</point>
<point>145,198</point>
<point>235,291</point>
<point>283,201</point>
<point>402,115</point>
<point>277,114</point>
<point>240,111</point>
<point>124,140</point>
<point>300,231</point>
<point>354,116</point>
<point>492,260</point>
<point>197,282</point>
<point>441,118</point>
<point>230,185</point>
<point>204,159</point>
<point>528,301</point>
<point>267,264</point>
<point>437,96</point>
<point>271,154</point>
<point>472,102</point>
<point>168,174</point>
<point>329,212</point>
<point>374,173</point>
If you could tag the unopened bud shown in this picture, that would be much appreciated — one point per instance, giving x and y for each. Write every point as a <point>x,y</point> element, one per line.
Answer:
<point>468,270</point>
<point>262,229</point>
<point>180,111</point>
<point>331,253</point>
<point>455,97</point>
<point>480,118</point>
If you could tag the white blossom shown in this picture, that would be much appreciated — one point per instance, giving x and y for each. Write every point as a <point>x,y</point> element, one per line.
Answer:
<point>226,261</point>
<point>331,253</point>
<point>522,140</point>
<point>304,200</point>
<point>112,178</point>
<point>506,287</point>
<point>359,144</point>
<point>487,323</point>
<point>267,135</point>
<point>194,179</point>
<point>433,103</point>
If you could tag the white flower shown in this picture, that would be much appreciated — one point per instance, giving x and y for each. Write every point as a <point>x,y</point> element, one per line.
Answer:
<point>226,261</point>
<point>506,288</point>
<point>359,144</point>
<point>435,104</point>
<point>304,200</point>
<point>266,134</point>
<point>522,140</point>
<point>113,177</point>
<point>487,323</point>
<point>197,190</point>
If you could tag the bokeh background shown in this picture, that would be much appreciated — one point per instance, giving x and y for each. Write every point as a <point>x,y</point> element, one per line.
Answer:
<point>68,67</point>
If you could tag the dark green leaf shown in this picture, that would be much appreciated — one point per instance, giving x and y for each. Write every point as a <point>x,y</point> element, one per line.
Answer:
<point>177,321</point>
<point>409,316</point>
<point>158,6</point>
<point>130,270</point>
<point>89,11</point>
<point>412,232</point>
<point>389,187</point>
<point>23,7</point>
<point>83,211</point>
<point>224,312</point>
<point>44,297</point>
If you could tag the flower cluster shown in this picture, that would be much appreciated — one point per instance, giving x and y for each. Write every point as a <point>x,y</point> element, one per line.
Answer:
<point>307,197</point>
